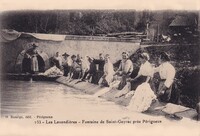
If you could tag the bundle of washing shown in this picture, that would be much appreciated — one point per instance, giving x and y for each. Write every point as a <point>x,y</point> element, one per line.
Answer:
<point>142,98</point>
<point>53,71</point>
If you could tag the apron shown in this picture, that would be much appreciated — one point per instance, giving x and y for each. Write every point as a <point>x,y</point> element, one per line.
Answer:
<point>34,64</point>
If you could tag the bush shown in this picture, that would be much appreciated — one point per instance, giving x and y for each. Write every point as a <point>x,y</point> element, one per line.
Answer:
<point>185,59</point>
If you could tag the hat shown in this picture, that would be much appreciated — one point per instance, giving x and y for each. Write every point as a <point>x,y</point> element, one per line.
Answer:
<point>65,54</point>
<point>34,45</point>
<point>164,56</point>
<point>73,56</point>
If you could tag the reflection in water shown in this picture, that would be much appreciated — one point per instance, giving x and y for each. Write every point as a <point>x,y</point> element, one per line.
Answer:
<point>49,98</point>
<point>61,102</point>
<point>64,103</point>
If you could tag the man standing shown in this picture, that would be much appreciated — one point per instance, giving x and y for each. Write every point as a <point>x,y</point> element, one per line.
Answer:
<point>167,75</point>
<point>92,71</point>
<point>33,53</point>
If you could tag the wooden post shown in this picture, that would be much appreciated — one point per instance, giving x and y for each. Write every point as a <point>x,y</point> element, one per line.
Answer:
<point>158,32</point>
<point>147,30</point>
<point>199,22</point>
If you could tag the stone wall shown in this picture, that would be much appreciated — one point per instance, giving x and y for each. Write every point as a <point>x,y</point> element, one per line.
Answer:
<point>84,46</point>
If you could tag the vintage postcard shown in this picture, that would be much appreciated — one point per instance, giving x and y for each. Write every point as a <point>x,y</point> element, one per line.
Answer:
<point>83,67</point>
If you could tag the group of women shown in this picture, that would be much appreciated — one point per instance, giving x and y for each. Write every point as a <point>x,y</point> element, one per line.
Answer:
<point>97,71</point>
<point>146,72</point>
<point>100,71</point>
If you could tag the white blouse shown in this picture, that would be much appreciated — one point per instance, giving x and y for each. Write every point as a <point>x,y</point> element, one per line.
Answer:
<point>166,71</point>
<point>146,69</point>
<point>108,68</point>
<point>127,66</point>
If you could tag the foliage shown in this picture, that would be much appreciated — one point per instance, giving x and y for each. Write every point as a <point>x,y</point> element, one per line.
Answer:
<point>185,58</point>
<point>87,22</point>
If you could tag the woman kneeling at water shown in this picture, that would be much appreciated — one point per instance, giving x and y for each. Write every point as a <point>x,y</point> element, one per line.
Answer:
<point>144,75</point>
<point>107,78</point>
<point>75,69</point>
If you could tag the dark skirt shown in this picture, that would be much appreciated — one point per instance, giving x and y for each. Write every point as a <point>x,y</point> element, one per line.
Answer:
<point>137,82</point>
<point>66,70</point>
<point>167,92</point>
<point>26,65</point>
<point>122,82</point>
<point>99,75</point>
<point>94,79</point>
<point>76,75</point>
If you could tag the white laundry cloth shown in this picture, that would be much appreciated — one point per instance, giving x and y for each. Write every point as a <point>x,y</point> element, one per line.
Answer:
<point>142,98</point>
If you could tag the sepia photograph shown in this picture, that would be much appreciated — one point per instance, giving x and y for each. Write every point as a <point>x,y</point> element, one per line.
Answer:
<point>73,70</point>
